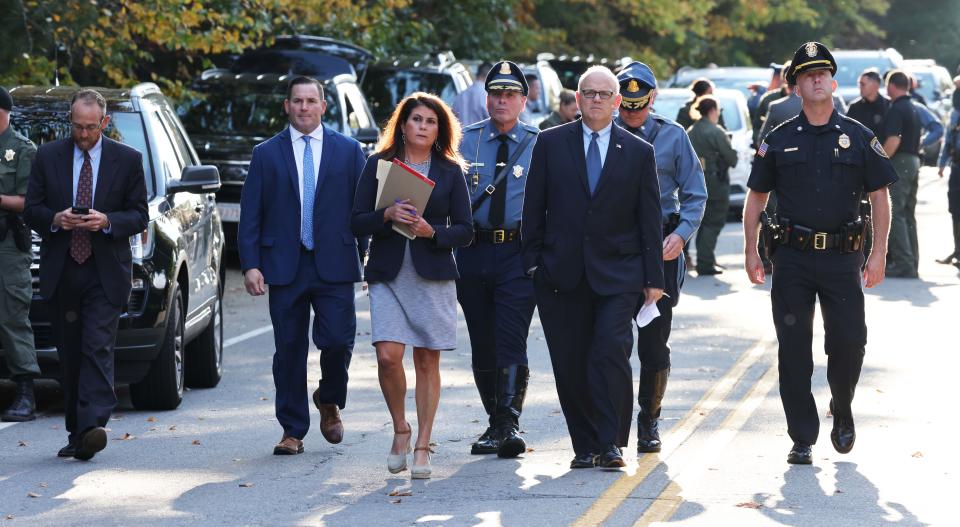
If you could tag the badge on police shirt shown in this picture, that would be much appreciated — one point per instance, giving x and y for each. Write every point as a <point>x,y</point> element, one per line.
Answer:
<point>9,155</point>
<point>517,171</point>
<point>844,141</point>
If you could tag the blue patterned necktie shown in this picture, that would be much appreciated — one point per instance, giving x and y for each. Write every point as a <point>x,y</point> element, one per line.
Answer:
<point>309,189</point>
<point>593,162</point>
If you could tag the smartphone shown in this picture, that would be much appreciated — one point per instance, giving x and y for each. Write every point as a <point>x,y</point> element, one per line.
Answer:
<point>82,211</point>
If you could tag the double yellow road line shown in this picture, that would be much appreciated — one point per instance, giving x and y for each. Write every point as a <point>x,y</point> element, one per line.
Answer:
<point>666,504</point>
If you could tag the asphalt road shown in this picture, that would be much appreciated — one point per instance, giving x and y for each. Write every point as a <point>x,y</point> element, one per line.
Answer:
<point>209,462</point>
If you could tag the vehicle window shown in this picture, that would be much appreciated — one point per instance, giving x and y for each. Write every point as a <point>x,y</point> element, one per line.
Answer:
<point>187,154</point>
<point>551,87</point>
<point>927,85</point>
<point>43,125</point>
<point>731,114</point>
<point>245,109</point>
<point>166,153</point>
<point>849,69</point>
<point>668,106</point>
<point>385,88</point>
<point>357,117</point>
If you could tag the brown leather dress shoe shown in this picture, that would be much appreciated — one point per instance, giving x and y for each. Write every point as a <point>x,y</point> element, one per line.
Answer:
<point>288,446</point>
<point>330,424</point>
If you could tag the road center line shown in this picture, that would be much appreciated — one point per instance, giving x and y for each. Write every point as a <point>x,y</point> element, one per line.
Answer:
<point>665,505</point>
<point>613,497</point>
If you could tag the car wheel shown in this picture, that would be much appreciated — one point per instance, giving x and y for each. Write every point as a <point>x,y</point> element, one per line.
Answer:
<point>162,388</point>
<point>205,353</point>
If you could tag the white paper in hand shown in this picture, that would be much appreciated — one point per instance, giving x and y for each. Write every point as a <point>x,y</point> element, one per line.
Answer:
<point>647,313</point>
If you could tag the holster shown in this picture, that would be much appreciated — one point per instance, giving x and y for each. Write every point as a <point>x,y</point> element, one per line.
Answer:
<point>852,233</point>
<point>772,234</point>
<point>14,225</point>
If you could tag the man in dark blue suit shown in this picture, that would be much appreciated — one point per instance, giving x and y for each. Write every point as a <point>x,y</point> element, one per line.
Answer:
<point>592,238</point>
<point>85,266</point>
<point>294,236</point>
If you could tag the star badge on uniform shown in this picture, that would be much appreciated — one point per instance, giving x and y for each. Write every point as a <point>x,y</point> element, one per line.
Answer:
<point>9,155</point>
<point>517,171</point>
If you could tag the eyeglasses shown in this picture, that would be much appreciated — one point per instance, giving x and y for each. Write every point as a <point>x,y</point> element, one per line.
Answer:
<point>590,94</point>
<point>87,128</point>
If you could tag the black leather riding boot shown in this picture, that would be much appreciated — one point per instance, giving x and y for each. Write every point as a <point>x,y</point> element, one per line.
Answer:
<point>23,405</point>
<point>650,396</point>
<point>486,381</point>
<point>511,390</point>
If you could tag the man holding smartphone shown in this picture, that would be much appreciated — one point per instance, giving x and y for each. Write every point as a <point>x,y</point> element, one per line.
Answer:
<point>86,197</point>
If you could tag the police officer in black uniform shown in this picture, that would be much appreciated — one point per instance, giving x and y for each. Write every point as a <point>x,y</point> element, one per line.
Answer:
<point>818,164</point>
<point>494,291</point>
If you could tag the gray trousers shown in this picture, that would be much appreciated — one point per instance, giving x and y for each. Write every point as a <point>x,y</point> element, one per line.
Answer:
<point>16,292</point>
<point>904,250</point>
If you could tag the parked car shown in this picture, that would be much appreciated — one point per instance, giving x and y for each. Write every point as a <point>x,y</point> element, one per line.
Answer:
<point>852,62</point>
<point>733,77</point>
<point>934,83</point>
<point>171,333</point>
<point>550,87</point>
<point>570,67</point>
<point>733,107</point>
<point>388,82</point>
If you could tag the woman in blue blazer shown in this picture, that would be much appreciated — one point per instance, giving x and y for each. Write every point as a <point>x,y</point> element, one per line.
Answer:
<point>413,296</point>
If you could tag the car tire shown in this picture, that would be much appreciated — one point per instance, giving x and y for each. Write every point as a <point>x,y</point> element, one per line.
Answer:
<point>205,353</point>
<point>162,388</point>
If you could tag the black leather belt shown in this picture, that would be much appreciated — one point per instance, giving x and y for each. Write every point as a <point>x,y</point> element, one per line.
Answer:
<point>496,236</point>
<point>818,241</point>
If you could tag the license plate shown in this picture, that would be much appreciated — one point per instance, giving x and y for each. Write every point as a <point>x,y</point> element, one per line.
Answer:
<point>229,212</point>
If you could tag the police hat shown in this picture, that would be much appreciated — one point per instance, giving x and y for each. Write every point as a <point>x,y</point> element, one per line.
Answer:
<point>636,82</point>
<point>505,75</point>
<point>811,56</point>
<point>6,102</point>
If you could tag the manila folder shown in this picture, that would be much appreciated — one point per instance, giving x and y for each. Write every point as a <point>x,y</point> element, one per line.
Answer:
<point>396,181</point>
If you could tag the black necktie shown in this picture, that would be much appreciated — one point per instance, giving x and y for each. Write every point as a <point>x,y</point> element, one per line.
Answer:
<point>498,202</point>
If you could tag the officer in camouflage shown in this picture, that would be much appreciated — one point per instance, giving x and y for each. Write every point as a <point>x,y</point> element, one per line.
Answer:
<point>16,290</point>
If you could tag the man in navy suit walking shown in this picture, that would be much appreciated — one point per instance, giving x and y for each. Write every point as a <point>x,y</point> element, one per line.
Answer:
<point>592,239</point>
<point>294,236</point>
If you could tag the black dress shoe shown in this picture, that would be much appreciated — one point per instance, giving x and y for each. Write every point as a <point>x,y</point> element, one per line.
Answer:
<point>611,458</point>
<point>708,271</point>
<point>68,450</point>
<point>800,454</point>
<point>90,442</point>
<point>488,443</point>
<point>587,460</point>
<point>843,434</point>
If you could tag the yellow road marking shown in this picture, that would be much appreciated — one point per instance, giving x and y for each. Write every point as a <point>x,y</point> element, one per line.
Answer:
<point>666,504</point>
<point>613,497</point>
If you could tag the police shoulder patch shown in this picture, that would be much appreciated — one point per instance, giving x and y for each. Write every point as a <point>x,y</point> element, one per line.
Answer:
<point>877,147</point>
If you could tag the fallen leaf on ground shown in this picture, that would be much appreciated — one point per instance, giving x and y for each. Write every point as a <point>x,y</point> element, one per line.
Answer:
<point>838,491</point>
<point>264,399</point>
<point>153,429</point>
<point>246,485</point>
<point>44,485</point>
<point>475,421</point>
<point>529,450</point>
<point>10,516</point>
<point>125,437</point>
<point>33,495</point>
<point>879,390</point>
<point>195,442</point>
<point>401,493</point>
<point>151,419</point>
<point>749,505</point>
<point>174,427</point>
<point>395,501</point>
<point>22,443</point>
<point>918,454</point>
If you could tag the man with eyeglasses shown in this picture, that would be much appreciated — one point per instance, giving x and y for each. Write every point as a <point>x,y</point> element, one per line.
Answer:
<point>16,291</point>
<point>683,197</point>
<point>86,198</point>
<point>592,239</point>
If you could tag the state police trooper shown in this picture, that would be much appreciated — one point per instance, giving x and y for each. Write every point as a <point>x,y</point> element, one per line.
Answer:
<point>495,293</point>
<point>16,290</point>
<point>818,164</point>
<point>683,196</point>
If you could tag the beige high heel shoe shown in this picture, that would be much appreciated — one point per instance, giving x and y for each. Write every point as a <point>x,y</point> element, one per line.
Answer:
<point>422,471</point>
<point>398,462</point>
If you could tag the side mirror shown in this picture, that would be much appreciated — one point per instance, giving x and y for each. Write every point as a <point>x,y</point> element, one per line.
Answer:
<point>368,135</point>
<point>199,179</point>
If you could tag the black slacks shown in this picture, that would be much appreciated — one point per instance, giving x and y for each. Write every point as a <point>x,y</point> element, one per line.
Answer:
<point>801,278</point>
<point>85,328</point>
<point>590,340</point>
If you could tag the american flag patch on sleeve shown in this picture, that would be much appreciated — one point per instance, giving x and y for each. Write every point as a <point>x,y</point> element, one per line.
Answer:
<point>762,151</point>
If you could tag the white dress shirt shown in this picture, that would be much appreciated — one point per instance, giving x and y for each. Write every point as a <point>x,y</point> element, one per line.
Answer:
<point>316,147</point>
<point>603,141</point>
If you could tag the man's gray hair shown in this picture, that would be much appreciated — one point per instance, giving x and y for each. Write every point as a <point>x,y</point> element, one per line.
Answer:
<point>603,71</point>
<point>88,97</point>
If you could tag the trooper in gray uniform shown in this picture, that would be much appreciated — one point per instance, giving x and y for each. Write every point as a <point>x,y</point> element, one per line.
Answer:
<point>494,291</point>
<point>683,196</point>
<point>16,291</point>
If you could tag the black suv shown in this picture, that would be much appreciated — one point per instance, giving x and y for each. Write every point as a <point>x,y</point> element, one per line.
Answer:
<point>172,331</point>
<point>387,82</point>
<point>232,110</point>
